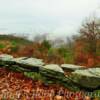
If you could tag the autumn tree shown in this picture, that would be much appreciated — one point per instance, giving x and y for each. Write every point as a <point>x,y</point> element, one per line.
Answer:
<point>90,33</point>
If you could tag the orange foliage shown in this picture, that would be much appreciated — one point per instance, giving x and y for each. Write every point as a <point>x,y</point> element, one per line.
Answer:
<point>85,59</point>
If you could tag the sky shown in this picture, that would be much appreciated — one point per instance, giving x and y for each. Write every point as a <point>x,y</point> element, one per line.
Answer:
<point>59,18</point>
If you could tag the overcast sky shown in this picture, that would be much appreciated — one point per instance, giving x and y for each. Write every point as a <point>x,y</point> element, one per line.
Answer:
<point>57,17</point>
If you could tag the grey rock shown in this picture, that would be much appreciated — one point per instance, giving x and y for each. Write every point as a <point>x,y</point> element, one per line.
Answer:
<point>88,78</point>
<point>52,71</point>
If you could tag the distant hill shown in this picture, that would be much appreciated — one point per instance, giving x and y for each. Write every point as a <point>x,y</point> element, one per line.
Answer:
<point>16,39</point>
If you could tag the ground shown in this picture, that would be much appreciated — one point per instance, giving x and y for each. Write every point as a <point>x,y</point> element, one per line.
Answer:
<point>15,85</point>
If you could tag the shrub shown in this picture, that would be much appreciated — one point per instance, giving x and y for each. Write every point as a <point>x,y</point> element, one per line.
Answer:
<point>2,46</point>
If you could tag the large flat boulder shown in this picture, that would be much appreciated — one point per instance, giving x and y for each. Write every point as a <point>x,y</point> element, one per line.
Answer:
<point>71,67</point>
<point>53,71</point>
<point>33,64</point>
<point>21,62</point>
<point>88,78</point>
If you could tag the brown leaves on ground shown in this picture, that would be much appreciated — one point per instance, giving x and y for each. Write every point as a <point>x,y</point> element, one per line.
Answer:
<point>16,86</point>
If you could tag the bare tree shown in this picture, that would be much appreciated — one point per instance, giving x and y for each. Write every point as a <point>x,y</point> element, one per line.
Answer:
<point>90,32</point>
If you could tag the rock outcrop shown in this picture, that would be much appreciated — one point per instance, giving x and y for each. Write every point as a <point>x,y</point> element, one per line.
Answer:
<point>80,77</point>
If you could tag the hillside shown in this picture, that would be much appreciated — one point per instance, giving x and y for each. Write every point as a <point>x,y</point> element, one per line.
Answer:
<point>15,39</point>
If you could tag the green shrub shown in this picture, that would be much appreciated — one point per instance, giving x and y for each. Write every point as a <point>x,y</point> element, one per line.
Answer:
<point>13,43</point>
<point>33,75</point>
<point>2,46</point>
